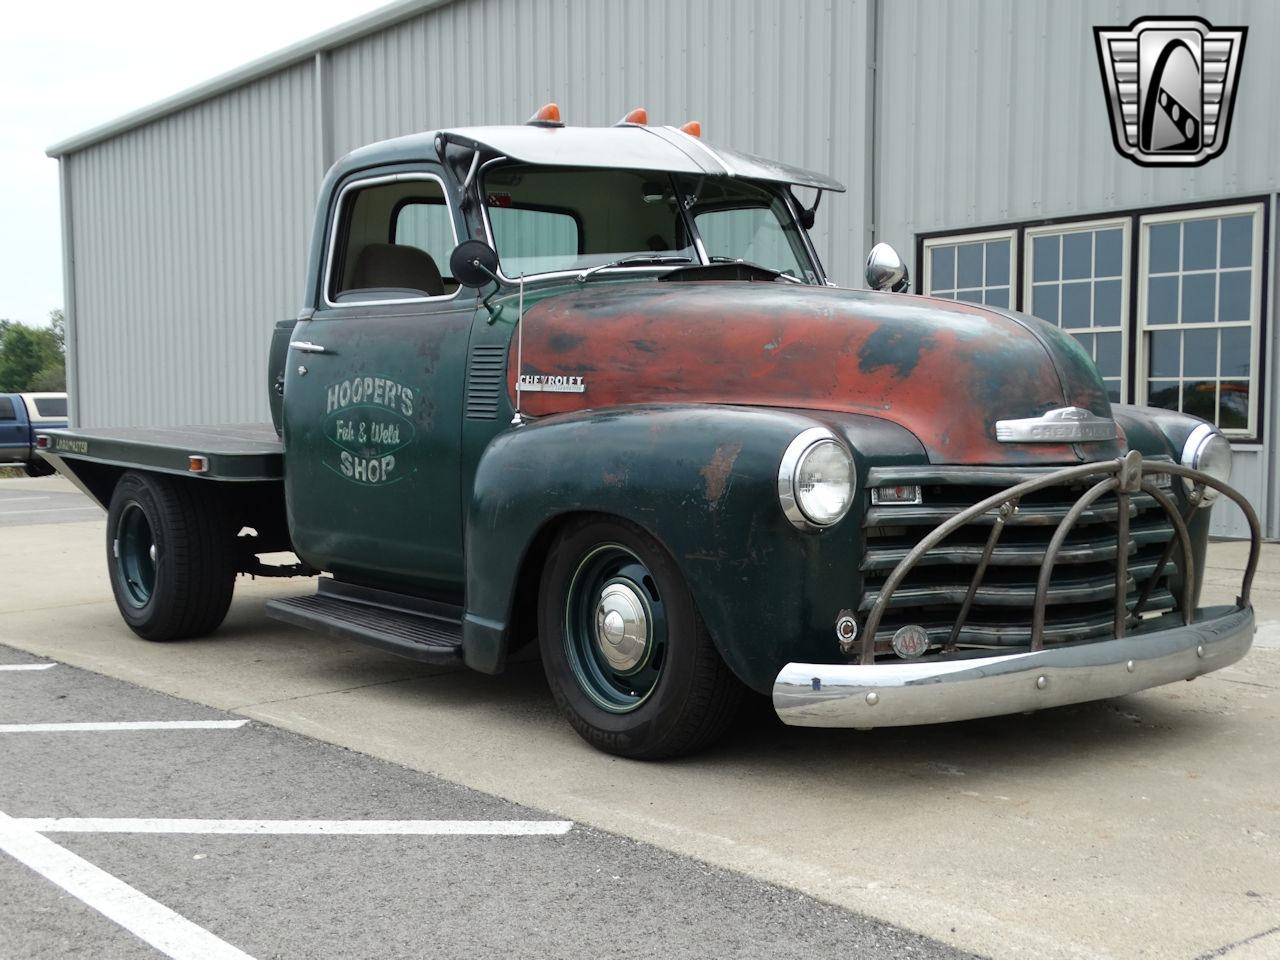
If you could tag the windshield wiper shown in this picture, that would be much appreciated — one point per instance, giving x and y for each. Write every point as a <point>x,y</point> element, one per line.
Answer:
<point>759,266</point>
<point>649,259</point>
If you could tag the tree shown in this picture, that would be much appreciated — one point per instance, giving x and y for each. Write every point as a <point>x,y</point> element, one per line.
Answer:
<point>27,354</point>
<point>58,324</point>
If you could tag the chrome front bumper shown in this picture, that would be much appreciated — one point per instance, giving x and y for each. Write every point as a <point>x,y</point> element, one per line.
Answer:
<point>1159,651</point>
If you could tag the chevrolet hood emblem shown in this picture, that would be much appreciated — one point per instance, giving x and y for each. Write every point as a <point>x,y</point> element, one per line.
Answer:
<point>1064,425</point>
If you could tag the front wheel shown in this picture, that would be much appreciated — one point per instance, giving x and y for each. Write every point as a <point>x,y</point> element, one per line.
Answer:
<point>628,659</point>
<point>170,554</point>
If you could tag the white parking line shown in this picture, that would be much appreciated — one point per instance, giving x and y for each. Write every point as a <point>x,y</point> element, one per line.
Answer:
<point>4,500</point>
<point>26,666</point>
<point>462,828</point>
<point>23,513</point>
<point>122,725</point>
<point>152,922</point>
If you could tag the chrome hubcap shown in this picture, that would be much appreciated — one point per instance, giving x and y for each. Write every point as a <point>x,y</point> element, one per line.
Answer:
<point>622,627</point>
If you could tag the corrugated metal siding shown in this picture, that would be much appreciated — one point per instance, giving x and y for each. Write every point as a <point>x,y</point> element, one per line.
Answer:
<point>189,238</point>
<point>190,232</point>
<point>998,116</point>
<point>496,61</point>
<point>997,113</point>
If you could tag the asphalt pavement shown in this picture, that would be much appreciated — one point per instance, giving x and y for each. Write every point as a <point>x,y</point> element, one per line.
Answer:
<point>30,501</point>
<point>135,824</point>
<point>1141,827</point>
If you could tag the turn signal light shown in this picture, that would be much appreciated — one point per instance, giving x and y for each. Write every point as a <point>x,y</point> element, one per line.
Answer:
<point>905,494</point>
<point>42,442</point>
<point>637,116</point>
<point>547,115</point>
<point>693,128</point>
<point>197,464</point>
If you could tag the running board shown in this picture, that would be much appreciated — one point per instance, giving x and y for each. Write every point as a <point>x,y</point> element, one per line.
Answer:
<point>427,637</point>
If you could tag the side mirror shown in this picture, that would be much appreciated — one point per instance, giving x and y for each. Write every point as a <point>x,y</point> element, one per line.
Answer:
<point>474,263</point>
<point>886,271</point>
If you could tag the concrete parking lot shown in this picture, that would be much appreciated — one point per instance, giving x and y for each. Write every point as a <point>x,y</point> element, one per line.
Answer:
<point>1143,827</point>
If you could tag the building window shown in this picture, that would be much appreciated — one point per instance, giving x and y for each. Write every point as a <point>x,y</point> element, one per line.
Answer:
<point>977,268</point>
<point>1175,324</point>
<point>1199,310</point>
<point>1075,275</point>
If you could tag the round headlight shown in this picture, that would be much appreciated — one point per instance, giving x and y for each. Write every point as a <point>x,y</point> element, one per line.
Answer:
<point>1208,451</point>
<point>815,479</point>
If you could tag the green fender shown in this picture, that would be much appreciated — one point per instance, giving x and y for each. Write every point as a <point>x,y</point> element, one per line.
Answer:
<point>703,480</point>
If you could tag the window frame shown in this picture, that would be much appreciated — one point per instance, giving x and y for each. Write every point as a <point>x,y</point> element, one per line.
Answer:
<point>1260,321</point>
<point>337,225</point>
<point>1252,432</point>
<point>795,243</point>
<point>1026,289</point>
<point>958,239</point>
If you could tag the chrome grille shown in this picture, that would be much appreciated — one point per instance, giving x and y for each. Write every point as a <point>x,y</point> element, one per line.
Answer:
<point>1080,603</point>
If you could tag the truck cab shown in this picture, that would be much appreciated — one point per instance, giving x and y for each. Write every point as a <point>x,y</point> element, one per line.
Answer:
<point>593,388</point>
<point>22,416</point>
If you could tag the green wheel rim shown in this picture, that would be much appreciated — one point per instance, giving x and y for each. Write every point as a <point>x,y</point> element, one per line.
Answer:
<point>135,555</point>
<point>615,628</point>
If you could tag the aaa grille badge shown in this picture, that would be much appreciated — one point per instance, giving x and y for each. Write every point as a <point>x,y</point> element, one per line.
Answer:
<point>1170,84</point>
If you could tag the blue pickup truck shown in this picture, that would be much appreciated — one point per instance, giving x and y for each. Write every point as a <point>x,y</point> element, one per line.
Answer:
<point>21,416</point>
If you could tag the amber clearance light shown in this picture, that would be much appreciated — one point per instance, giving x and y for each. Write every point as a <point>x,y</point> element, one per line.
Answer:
<point>547,115</point>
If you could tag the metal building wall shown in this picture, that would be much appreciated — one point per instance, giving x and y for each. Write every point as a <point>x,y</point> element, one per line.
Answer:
<point>189,237</point>
<point>991,112</point>
<point>721,62</point>
<point>188,234</point>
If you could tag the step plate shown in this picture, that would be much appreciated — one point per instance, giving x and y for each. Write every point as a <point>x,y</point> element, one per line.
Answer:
<point>427,639</point>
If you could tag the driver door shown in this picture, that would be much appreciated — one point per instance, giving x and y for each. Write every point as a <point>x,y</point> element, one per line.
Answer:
<point>373,391</point>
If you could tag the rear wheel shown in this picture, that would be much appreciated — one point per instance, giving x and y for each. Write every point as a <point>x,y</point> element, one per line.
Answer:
<point>628,659</point>
<point>170,554</point>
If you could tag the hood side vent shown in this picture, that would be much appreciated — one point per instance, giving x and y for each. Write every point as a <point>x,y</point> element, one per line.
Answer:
<point>486,369</point>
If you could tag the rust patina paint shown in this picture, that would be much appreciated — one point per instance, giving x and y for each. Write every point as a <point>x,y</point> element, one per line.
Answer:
<point>945,371</point>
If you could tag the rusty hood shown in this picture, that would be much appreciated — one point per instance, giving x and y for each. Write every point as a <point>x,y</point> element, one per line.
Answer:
<point>944,370</point>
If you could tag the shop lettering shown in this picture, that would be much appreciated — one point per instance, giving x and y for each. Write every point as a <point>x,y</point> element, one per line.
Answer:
<point>374,391</point>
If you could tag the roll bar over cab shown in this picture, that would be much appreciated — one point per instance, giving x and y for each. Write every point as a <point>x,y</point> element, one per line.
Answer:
<point>592,385</point>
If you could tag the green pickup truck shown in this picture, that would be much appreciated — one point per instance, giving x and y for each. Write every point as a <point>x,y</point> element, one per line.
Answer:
<point>593,387</point>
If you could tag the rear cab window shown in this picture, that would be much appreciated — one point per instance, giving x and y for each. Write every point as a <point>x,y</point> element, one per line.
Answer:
<point>560,219</point>
<point>51,408</point>
<point>6,409</point>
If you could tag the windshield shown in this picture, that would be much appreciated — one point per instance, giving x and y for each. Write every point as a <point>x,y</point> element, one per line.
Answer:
<point>738,220</point>
<point>550,219</point>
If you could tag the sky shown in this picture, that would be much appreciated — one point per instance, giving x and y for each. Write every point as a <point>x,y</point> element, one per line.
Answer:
<point>70,65</point>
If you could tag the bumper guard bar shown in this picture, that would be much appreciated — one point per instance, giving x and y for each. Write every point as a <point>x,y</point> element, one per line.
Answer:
<point>1141,654</point>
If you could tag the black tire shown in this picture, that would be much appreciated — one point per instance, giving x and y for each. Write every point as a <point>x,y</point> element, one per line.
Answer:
<point>693,696</point>
<point>38,468</point>
<point>185,589</point>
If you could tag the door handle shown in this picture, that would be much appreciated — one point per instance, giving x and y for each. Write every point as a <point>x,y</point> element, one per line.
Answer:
<point>306,346</point>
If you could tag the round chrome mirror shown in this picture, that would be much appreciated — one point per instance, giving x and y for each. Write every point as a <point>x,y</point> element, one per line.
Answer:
<point>885,269</point>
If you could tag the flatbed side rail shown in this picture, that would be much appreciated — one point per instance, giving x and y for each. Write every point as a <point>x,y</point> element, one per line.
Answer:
<point>1123,477</point>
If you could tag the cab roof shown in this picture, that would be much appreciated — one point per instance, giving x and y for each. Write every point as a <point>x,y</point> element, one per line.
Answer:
<point>623,147</point>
